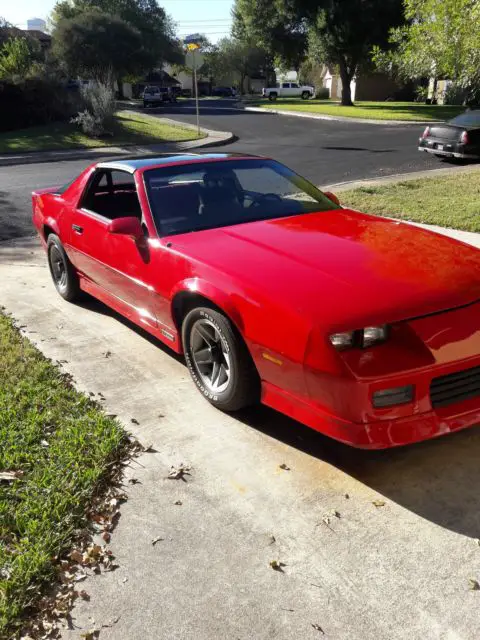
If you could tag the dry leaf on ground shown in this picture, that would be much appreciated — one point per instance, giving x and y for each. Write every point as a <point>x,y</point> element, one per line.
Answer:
<point>378,503</point>
<point>179,473</point>
<point>9,476</point>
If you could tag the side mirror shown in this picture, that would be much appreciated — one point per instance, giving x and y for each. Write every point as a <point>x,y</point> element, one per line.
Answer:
<point>130,226</point>
<point>331,196</point>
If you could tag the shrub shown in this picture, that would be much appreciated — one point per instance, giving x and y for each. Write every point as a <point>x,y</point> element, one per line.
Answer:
<point>97,118</point>
<point>34,101</point>
<point>322,93</point>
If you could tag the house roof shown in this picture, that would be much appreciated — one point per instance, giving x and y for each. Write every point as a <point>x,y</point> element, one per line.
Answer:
<point>160,76</point>
<point>39,35</point>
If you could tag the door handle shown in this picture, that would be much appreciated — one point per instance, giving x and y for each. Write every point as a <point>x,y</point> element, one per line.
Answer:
<point>77,229</point>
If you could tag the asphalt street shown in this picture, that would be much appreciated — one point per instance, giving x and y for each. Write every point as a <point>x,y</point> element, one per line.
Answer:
<point>326,152</point>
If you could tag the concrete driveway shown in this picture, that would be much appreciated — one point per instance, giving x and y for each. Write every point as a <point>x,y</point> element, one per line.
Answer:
<point>400,570</point>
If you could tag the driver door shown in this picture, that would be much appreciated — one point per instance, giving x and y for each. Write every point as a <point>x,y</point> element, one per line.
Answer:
<point>117,264</point>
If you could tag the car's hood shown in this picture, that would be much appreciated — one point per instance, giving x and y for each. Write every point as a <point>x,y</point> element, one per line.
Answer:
<point>343,267</point>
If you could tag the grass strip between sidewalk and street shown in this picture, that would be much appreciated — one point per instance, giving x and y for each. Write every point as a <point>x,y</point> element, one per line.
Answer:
<point>448,201</point>
<point>61,447</point>
<point>406,111</point>
<point>128,129</point>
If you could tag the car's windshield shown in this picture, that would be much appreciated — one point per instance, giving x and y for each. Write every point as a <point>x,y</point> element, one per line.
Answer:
<point>467,119</point>
<point>207,195</point>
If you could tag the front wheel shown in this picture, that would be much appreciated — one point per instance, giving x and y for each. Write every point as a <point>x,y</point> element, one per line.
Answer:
<point>63,274</point>
<point>305,95</point>
<point>219,361</point>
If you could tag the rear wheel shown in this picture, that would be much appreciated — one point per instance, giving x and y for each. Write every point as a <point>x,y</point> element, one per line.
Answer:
<point>272,97</point>
<point>219,361</point>
<point>62,271</point>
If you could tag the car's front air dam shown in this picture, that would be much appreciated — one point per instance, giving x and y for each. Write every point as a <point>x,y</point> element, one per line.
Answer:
<point>381,434</point>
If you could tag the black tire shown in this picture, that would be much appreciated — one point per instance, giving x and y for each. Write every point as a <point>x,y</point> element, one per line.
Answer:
<point>243,386</point>
<point>63,274</point>
<point>272,97</point>
<point>305,95</point>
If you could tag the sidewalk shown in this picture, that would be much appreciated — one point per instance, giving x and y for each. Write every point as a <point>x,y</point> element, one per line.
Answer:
<point>390,572</point>
<point>319,116</point>
<point>213,138</point>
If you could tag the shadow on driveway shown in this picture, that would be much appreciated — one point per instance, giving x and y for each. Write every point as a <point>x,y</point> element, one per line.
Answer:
<point>437,479</point>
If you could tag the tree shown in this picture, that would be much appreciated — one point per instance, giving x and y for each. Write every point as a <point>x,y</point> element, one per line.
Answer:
<point>15,59</point>
<point>441,39</point>
<point>96,45</point>
<point>241,58</point>
<point>146,16</point>
<point>278,33</point>
<point>345,30</point>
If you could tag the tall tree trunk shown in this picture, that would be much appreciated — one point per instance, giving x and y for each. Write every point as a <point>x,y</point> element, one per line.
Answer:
<point>346,76</point>
<point>120,88</point>
<point>242,83</point>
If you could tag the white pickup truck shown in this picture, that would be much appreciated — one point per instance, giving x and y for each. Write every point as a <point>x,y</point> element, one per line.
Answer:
<point>288,90</point>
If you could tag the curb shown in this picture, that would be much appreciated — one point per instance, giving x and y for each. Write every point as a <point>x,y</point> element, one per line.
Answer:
<point>399,177</point>
<point>213,138</point>
<point>317,116</point>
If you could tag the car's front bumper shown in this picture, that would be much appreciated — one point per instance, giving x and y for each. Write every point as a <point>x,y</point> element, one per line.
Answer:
<point>380,434</point>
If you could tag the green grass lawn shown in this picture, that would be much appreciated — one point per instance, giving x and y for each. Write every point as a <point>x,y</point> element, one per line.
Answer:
<point>369,110</point>
<point>129,128</point>
<point>62,445</point>
<point>450,201</point>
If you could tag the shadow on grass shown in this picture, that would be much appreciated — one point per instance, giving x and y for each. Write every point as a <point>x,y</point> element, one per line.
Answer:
<point>64,135</point>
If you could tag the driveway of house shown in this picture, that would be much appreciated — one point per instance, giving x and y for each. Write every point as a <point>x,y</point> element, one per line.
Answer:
<point>353,570</point>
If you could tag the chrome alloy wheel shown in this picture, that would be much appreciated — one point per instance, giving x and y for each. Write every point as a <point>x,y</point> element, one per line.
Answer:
<point>210,356</point>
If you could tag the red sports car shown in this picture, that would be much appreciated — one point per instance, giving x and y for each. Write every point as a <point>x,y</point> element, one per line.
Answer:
<point>363,328</point>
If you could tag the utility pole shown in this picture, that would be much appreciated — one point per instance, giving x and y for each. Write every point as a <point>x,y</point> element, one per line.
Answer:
<point>197,108</point>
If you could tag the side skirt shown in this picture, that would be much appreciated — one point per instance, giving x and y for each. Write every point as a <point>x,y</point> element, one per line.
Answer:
<point>166,335</point>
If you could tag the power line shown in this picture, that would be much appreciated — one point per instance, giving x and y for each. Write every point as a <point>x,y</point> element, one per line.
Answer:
<point>217,33</point>
<point>211,20</point>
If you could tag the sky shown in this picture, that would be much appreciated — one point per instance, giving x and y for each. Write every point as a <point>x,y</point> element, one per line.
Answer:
<point>211,17</point>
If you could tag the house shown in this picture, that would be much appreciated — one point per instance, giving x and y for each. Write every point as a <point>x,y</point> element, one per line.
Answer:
<point>365,86</point>
<point>156,78</point>
<point>42,38</point>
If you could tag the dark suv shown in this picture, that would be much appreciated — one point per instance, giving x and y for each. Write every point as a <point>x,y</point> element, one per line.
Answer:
<point>154,96</point>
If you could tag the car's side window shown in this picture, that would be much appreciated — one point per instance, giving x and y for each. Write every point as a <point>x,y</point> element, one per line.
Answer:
<point>286,85</point>
<point>294,85</point>
<point>112,194</point>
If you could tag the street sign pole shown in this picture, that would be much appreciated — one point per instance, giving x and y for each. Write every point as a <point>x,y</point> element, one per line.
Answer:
<point>192,44</point>
<point>197,108</point>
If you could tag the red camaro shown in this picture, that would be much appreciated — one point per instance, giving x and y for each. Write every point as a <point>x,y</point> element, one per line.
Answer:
<point>361,327</point>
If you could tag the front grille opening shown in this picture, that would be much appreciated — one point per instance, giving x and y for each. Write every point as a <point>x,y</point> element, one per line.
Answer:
<point>455,387</point>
